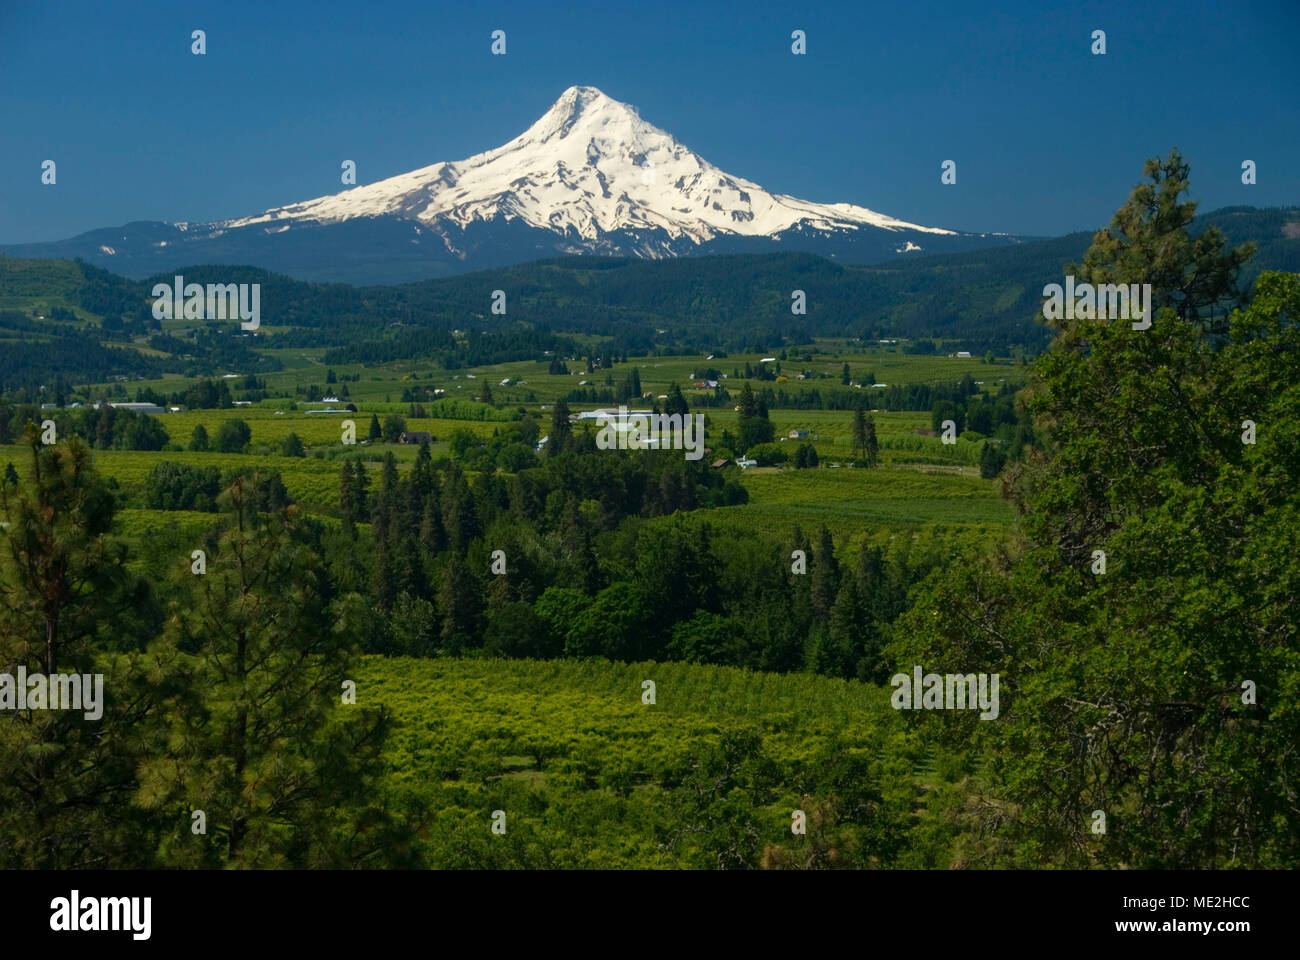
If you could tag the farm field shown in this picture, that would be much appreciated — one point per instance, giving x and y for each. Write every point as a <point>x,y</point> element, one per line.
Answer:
<point>920,479</point>
<point>314,430</point>
<point>384,383</point>
<point>856,501</point>
<point>309,481</point>
<point>589,776</point>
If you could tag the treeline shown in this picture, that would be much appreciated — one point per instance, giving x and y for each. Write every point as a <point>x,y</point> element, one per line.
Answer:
<point>178,486</point>
<point>561,559</point>
<point>103,428</point>
<point>475,348</point>
<point>81,356</point>
<point>564,557</point>
<point>895,397</point>
<point>29,363</point>
<point>979,300</point>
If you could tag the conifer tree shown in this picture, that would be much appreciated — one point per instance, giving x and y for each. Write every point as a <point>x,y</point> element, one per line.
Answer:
<point>864,440</point>
<point>825,571</point>
<point>676,403</point>
<point>260,738</point>
<point>1142,701</point>
<point>360,496</point>
<point>347,499</point>
<point>561,429</point>
<point>67,607</point>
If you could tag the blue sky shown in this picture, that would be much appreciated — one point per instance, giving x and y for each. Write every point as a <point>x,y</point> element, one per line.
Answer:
<point>1047,137</point>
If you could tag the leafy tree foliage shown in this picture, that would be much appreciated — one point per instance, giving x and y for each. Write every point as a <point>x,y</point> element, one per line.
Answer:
<point>233,437</point>
<point>1160,694</point>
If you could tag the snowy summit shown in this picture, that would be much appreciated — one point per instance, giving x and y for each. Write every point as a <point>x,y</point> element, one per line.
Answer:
<point>589,177</point>
<point>592,166</point>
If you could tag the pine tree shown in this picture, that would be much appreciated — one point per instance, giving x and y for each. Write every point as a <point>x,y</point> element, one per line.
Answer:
<point>360,498</point>
<point>460,514</point>
<point>347,499</point>
<point>432,534</point>
<point>460,601</point>
<point>753,422</point>
<point>1148,242</point>
<point>66,605</point>
<point>991,460</point>
<point>258,740</point>
<point>561,429</point>
<point>825,572</point>
<point>1099,378</point>
<point>386,505</point>
<point>582,570</point>
<point>747,405</point>
<point>876,609</point>
<point>846,629</point>
<point>858,436</point>
<point>676,403</point>
<point>424,478</point>
<point>383,580</point>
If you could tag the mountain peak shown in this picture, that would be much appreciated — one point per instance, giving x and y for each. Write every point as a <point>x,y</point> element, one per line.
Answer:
<point>597,177</point>
<point>582,96</point>
<point>577,106</point>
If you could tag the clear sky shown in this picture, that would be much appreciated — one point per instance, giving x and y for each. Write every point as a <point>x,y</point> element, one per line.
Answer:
<point>1047,137</point>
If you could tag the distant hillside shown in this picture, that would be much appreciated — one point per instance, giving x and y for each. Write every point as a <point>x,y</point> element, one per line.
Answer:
<point>65,322</point>
<point>999,292</point>
<point>980,299</point>
<point>986,298</point>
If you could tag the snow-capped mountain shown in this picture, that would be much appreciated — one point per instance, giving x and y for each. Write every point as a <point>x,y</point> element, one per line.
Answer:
<point>591,167</point>
<point>590,176</point>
